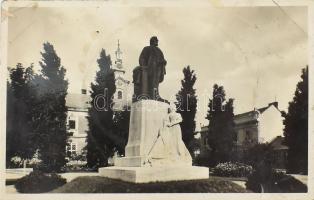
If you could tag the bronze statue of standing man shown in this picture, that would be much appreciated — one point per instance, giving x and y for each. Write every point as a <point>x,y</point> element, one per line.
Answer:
<point>151,71</point>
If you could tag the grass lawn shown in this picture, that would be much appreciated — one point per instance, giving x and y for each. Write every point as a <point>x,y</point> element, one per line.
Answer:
<point>97,184</point>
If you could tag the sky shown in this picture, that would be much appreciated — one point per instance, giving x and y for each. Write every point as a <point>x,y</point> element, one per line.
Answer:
<point>256,53</point>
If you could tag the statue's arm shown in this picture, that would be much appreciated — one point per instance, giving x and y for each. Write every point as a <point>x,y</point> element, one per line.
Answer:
<point>164,62</point>
<point>143,57</point>
<point>177,119</point>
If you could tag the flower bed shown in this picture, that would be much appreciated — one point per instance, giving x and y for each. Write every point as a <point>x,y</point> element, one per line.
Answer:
<point>230,169</point>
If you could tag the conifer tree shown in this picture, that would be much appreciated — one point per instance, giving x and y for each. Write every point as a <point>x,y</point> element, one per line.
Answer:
<point>101,140</point>
<point>19,108</point>
<point>221,125</point>
<point>296,127</point>
<point>186,106</point>
<point>50,112</point>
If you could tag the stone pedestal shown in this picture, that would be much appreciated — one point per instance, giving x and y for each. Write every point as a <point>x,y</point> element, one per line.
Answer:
<point>154,174</point>
<point>147,117</point>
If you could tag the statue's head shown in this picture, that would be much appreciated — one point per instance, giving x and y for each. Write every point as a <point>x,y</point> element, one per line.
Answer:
<point>153,41</point>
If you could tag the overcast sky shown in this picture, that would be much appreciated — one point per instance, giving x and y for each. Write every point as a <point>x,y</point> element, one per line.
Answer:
<point>256,53</point>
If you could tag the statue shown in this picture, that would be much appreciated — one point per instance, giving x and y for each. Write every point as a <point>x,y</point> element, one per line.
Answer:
<point>150,73</point>
<point>169,147</point>
<point>155,150</point>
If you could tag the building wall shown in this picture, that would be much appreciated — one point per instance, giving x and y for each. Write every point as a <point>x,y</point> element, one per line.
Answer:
<point>79,132</point>
<point>247,127</point>
<point>247,134</point>
<point>244,118</point>
<point>270,125</point>
<point>122,87</point>
<point>204,141</point>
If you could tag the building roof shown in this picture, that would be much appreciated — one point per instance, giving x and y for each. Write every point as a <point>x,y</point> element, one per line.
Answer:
<point>78,101</point>
<point>277,143</point>
<point>247,118</point>
<point>260,110</point>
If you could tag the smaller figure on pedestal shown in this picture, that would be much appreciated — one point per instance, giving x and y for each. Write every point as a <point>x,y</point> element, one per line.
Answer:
<point>169,147</point>
<point>179,151</point>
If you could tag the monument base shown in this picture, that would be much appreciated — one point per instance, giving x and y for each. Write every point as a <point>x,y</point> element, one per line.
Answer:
<point>155,174</point>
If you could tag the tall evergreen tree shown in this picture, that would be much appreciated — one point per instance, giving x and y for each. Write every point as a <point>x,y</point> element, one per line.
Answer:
<point>50,112</point>
<point>221,125</point>
<point>187,105</point>
<point>296,127</point>
<point>19,120</point>
<point>101,139</point>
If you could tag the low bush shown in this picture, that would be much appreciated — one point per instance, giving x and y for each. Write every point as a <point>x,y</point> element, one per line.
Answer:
<point>202,159</point>
<point>18,162</point>
<point>78,168</point>
<point>39,182</point>
<point>230,169</point>
<point>267,180</point>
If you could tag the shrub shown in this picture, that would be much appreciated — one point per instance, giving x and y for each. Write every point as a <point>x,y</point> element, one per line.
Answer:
<point>38,182</point>
<point>202,159</point>
<point>266,179</point>
<point>76,167</point>
<point>18,162</point>
<point>229,169</point>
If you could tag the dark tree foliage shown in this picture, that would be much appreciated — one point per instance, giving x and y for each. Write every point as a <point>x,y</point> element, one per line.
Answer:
<point>121,129</point>
<point>101,139</point>
<point>19,121</point>
<point>296,127</point>
<point>257,154</point>
<point>50,112</point>
<point>186,106</point>
<point>221,125</point>
<point>264,177</point>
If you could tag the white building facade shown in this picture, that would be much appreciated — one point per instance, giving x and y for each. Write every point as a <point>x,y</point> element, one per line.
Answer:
<point>259,125</point>
<point>77,123</point>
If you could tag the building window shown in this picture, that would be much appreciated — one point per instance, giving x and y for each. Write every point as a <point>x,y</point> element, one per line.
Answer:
<point>72,124</point>
<point>71,149</point>
<point>248,137</point>
<point>119,95</point>
<point>70,134</point>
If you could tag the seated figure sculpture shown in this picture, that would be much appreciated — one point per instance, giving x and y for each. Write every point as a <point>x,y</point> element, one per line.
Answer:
<point>169,147</point>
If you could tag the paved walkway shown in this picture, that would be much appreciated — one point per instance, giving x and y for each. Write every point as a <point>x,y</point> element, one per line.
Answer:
<point>12,174</point>
<point>10,189</point>
<point>302,178</point>
<point>72,175</point>
<point>240,183</point>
